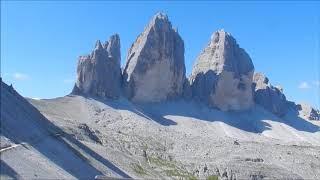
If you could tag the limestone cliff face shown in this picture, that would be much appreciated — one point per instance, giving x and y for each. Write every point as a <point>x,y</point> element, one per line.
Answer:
<point>307,112</point>
<point>222,74</point>
<point>222,77</point>
<point>99,73</point>
<point>155,69</point>
<point>268,96</point>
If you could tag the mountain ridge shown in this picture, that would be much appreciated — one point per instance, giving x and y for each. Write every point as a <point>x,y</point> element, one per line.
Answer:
<point>223,75</point>
<point>149,120</point>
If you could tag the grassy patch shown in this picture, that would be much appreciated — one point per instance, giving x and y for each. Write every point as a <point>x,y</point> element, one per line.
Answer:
<point>161,162</point>
<point>138,169</point>
<point>171,169</point>
<point>212,177</point>
<point>172,172</point>
<point>179,173</point>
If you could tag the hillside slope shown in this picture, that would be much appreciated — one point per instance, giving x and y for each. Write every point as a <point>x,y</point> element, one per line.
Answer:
<point>33,147</point>
<point>187,139</point>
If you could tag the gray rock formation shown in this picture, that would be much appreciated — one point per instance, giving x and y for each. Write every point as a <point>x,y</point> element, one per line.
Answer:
<point>187,91</point>
<point>99,73</point>
<point>308,112</point>
<point>268,96</point>
<point>155,69</point>
<point>222,74</point>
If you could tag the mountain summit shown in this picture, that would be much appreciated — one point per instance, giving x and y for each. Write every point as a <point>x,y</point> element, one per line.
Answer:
<point>99,73</point>
<point>222,74</point>
<point>155,69</point>
<point>222,77</point>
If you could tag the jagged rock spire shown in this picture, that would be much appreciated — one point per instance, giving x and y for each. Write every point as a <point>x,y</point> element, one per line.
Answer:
<point>155,69</point>
<point>98,45</point>
<point>99,73</point>
<point>308,112</point>
<point>268,96</point>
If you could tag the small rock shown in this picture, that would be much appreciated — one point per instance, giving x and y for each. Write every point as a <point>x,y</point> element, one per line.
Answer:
<point>205,168</point>
<point>236,142</point>
<point>144,153</point>
<point>254,159</point>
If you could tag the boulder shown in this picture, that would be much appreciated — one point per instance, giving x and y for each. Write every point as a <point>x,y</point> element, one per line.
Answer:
<point>99,73</point>
<point>268,96</point>
<point>155,69</point>
<point>308,112</point>
<point>222,74</point>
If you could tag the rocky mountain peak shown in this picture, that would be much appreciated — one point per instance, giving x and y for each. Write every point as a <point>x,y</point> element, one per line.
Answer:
<point>161,16</point>
<point>112,46</point>
<point>228,54</point>
<point>155,69</point>
<point>99,73</point>
<point>159,22</point>
<point>222,74</point>
<point>220,35</point>
<point>268,96</point>
<point>260,78</point>
<point>307,112</point>
<point>98,45</point>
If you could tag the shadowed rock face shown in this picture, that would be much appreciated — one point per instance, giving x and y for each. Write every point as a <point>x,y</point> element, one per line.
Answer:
<point>222,74</point>
<point>99,73</point>
<point>155,69</point>
<point>268,96</point>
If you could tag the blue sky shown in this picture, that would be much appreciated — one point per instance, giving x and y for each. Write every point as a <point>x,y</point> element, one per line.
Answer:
<point>40,41</point>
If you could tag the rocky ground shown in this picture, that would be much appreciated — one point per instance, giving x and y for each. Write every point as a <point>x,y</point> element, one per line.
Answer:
<point>81,137</point>
<point>188,140</point>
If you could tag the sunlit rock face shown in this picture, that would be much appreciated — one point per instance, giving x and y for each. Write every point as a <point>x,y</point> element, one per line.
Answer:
<point>308,112</point>
<point>222,74</point>
<point>155,69</point>
<point>268,96</point>
<point>99,73</point>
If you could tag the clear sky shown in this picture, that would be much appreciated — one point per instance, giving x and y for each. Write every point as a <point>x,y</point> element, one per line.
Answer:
<point>40,41</point>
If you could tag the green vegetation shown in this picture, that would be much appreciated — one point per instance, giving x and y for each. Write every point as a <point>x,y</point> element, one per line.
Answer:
<point>171,169</point>
<point>161,162</point>
<point>212,177</point>
<point>138,169</point>
<point>172,172</point>
<point>192,178</point>
<point>179,173</point>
